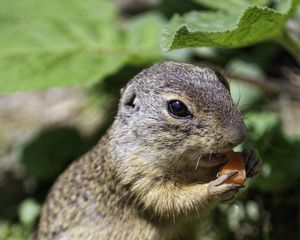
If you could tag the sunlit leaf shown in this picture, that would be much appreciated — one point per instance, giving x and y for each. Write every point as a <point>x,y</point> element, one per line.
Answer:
<point>54,43</point>
<point>226,29</point>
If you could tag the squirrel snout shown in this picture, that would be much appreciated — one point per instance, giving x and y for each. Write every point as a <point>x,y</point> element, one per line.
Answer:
<point>237,135</point>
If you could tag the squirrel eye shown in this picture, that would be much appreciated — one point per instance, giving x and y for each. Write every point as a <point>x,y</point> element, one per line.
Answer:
<point>177,109</point>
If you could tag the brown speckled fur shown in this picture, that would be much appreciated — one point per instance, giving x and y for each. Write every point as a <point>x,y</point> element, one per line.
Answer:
<point>142,180</point>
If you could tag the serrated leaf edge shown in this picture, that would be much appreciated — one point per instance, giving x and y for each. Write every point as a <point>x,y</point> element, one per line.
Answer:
<point>235,27</point>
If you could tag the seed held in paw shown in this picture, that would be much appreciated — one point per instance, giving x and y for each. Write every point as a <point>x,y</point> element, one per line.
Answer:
<point>235,163</point>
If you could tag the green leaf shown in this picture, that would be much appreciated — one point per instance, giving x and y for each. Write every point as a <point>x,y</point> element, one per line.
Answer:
<point>142,37</point>
<point>280,155</point>
<point>54,43</point>
<point>230,5</point>
<point>13,231</point>
<point>29,210</point>
<point>226,29</point>
<point>245,95</point>
<point>260,124</point>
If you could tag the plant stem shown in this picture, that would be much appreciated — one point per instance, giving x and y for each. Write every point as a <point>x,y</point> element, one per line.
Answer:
<point>291,45</point>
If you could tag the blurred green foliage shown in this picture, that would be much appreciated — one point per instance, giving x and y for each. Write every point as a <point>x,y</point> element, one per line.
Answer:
<point>100,45</point>
<point>56,43</point>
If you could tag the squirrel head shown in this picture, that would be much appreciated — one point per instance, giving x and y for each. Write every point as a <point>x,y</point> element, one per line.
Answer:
<point>172,110</point>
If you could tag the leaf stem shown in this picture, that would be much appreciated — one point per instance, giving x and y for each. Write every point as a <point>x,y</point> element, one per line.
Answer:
<point>291,45</point>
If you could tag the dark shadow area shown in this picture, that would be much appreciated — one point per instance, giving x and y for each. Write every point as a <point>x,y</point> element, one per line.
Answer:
<point>51,151</point>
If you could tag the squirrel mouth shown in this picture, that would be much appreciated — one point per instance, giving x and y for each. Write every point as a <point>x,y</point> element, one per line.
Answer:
<point>212,160</point>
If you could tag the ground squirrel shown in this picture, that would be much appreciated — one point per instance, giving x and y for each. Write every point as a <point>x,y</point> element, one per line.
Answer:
<point>154,173</point>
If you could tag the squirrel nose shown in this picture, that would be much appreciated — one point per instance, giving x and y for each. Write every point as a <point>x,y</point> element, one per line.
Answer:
<point>237,134</point>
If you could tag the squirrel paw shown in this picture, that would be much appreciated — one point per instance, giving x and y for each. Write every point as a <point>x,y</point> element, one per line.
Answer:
<point>252,161</point>
<point>221,191</point>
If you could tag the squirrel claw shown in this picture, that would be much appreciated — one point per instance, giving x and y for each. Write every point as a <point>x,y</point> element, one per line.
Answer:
<point>253,162</point>
<point>223,178</point>
<point>221,191</point>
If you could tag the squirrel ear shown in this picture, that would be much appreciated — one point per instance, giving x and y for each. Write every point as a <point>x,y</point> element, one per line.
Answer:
<point>128,96</point>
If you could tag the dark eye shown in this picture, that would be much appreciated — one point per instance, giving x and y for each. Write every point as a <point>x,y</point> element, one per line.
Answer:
<point>177,109</point>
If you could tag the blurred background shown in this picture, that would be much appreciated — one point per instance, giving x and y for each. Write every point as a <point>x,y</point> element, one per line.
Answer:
<point>60,76</point>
